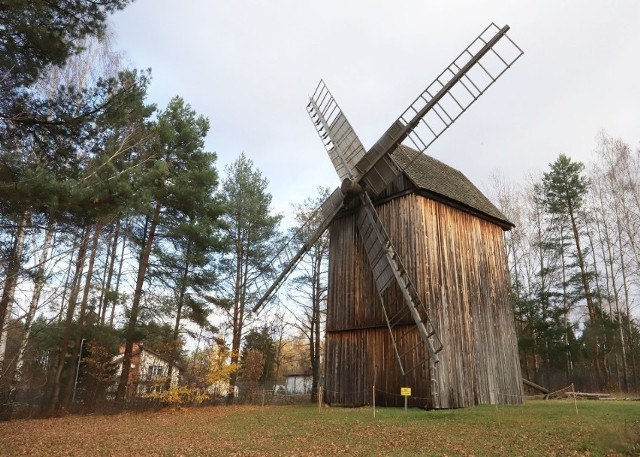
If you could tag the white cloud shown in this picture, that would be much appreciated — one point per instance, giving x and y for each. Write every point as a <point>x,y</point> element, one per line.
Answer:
<point>250,65</point>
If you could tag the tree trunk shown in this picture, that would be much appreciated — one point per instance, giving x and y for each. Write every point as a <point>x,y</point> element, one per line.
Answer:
<point>315,326</point>
<point>543,289</point>
<point>63,356</point>
<point>612,289</point>
<point>10,282</point>
<point>176,327</point>
<point>238,310</point>
<point>112,259</point>
<point>604,339</point>
<point>83,309</point>
<point>594,313</point>
<point>16,377</point>
<point>565,317</point>
<point>145,253</point>
<point>67,277</point>
<point>116,291</point>
<point>625,288</point>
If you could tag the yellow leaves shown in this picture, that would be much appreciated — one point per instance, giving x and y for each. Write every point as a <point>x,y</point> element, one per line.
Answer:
<point>219,369</point>
<point>180,396</point>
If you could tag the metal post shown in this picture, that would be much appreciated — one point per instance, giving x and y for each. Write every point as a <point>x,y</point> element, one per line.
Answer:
<point>75,383</point>
<point>405,405</point>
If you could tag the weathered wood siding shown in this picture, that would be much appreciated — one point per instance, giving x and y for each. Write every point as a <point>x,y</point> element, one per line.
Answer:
<point>458,265</point>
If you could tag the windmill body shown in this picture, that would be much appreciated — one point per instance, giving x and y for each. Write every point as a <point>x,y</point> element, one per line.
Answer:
<point>418,286</point>
<point>451,239</point>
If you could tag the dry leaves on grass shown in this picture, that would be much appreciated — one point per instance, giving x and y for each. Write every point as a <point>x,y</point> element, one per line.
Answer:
<point>537,429</point>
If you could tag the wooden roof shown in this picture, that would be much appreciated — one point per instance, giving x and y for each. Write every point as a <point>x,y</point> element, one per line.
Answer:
<point>442,182</point>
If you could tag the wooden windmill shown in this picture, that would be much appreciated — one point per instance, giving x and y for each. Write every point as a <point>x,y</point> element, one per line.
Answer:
<point>439,320</point>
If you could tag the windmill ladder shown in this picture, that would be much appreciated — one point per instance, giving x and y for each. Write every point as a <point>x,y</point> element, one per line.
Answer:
<point>411,298</point>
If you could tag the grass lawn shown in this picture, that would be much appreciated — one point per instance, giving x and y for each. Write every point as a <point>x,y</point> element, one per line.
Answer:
<point>540,428</point>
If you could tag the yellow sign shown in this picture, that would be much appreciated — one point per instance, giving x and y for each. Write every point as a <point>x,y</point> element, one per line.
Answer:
<point>405,391</point>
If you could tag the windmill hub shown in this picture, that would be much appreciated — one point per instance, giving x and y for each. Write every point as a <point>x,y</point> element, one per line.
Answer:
<point>350,188</point>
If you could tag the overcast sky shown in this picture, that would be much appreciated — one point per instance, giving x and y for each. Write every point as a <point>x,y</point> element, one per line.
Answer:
<point>250,66</point>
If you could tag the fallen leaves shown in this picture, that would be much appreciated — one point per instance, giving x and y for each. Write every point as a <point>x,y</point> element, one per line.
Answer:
<point>542,428</point>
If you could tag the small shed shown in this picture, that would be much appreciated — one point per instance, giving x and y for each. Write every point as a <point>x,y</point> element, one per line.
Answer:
<point>298,383</point>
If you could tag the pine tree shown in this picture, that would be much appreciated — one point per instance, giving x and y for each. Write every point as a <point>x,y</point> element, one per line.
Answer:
<point>250,238</point>
<point>189,227</point>
<point>39,33</point>
<point>565,188</point>
<point>177,212</point>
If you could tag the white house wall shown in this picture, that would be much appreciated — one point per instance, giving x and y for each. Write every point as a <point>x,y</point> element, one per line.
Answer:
<point>298,384</point>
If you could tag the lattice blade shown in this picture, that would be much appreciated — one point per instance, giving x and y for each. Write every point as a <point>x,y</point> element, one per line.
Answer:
<point>388,268</point>
<point>374,240</point>
<point>441,103</point>
<point>288,257</point>
<point>337,135</point>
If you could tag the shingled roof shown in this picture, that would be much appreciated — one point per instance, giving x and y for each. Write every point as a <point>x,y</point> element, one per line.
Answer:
<point>447,183</point>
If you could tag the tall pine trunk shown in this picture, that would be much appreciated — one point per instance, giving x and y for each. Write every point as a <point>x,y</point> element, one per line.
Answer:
<point>67,279</point>
<point>63,356</point>
<point>82,315</point>
<point>143,265</point>
<point>238,309</point>
<point>176,327</point>
<point>593,310</point>
<point>107,298</point>
<point>116,290</point>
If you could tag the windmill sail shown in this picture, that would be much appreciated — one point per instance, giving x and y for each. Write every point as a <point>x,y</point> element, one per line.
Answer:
<point>294,249</point>
<point>342,144</point>
<point>441,103</point>
<point>387,268</point>
<point>345,150</point>
<point>432,112</point>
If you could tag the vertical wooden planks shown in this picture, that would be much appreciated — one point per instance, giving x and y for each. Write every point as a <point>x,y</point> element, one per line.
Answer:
<point>458,265</point>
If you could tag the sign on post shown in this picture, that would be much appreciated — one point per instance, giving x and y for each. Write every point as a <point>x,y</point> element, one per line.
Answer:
<point>406,393</point>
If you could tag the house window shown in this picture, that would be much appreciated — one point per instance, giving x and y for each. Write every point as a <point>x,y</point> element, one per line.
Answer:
<point>154,388</point>
<point>155,370</point>
<point>154,378</point>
